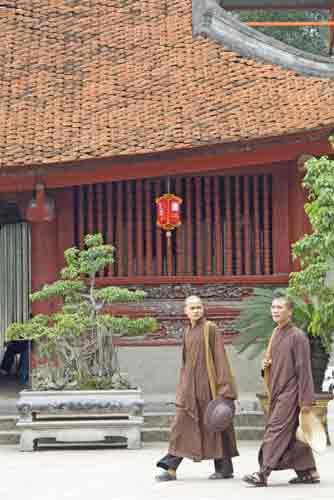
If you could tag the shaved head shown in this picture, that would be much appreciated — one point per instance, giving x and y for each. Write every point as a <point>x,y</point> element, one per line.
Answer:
<point>191,299</point>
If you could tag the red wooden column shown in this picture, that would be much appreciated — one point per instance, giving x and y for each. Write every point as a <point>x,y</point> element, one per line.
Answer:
<point>129,227</point>
<point>99,208</point>
<point>99,213</point>
<point>299,224</point>
<point>218,226</point>
<point>228,226</point>
<point>208,223</point>
<point>266,224</point>
<point>247,227</point>
<point>65,228</point>
<point>238,235</point>
<point>81,216</point>
<point>119,230</point>
<point>256,201</point>
<point>148,227</point>
<point>158,235</point>
<point>179,245</point>
<point>199,253</point>
<point>280,204</point>
<point>189,226</point>
<point>44,261</point>
<point>139,228</point>
<point>90,214</point>
<point>110,223</point>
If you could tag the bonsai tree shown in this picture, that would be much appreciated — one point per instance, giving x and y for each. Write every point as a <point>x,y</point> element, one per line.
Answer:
<point>75,345</point>
<point>310,288</point>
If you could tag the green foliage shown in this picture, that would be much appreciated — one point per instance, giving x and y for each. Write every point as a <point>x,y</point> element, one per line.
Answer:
<point>307,38</point>
<point>255,323</point>
<point>83,313</point>
<point>316,251</point>
<point>112,294</point>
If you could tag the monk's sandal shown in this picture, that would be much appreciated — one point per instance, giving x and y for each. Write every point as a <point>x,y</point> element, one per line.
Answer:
<point>256,479</point>
<point>165,476</point>
<point>305,478</point>
<point>221,475</point>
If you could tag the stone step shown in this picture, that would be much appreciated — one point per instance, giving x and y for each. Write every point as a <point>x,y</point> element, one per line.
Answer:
<point>154,434</point>
<point>7,422</point>
<point>9,437</point>
<point>251,419</point>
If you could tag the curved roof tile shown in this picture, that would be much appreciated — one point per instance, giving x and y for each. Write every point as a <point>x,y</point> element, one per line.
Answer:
<point>100,78</point>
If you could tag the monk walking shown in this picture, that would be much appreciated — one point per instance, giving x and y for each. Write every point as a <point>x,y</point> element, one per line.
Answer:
<point>189,436</point>
<point>287,372</point>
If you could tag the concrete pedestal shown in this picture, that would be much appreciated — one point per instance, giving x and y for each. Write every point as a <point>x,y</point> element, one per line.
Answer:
<point>79,417</point>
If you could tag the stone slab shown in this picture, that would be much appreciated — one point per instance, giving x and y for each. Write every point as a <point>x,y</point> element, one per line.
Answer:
<point>86,474</point>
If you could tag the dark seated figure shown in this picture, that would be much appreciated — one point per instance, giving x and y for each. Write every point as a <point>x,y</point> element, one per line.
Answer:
<point>14,347</point>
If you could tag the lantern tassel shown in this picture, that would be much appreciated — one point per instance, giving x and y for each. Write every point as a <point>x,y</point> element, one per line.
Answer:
<point>169,253</point>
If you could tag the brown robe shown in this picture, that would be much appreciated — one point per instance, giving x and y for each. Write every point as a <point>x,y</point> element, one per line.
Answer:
<point>189,438</point>
<point>291,387</point>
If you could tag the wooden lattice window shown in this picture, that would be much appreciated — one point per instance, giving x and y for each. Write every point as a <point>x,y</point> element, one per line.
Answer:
<point>226,230</point>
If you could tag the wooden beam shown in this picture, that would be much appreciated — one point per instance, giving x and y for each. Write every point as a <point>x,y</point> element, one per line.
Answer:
<point>218,158</point>
<point>260,279</point>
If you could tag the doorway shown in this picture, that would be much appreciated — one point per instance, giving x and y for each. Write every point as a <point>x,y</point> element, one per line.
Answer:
<point>15,278</point>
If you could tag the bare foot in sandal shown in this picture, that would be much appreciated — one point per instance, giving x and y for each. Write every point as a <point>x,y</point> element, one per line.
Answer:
<point>306,477</point>
<point>256,479</point>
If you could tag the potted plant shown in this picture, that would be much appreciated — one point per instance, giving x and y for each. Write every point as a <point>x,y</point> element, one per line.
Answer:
<point>75,357</point>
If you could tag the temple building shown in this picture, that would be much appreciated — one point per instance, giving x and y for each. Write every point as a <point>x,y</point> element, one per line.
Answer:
<point>108,104</point>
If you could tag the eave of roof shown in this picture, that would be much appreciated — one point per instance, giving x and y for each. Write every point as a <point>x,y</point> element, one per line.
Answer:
<point>210,20</point>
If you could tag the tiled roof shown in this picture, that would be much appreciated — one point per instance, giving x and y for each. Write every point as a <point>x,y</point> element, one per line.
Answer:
<point>86,79</point>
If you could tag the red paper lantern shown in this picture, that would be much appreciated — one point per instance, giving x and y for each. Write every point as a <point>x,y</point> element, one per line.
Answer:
<point>168,211</point>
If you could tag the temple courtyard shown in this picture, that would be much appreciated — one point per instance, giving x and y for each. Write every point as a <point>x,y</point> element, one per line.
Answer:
<point>120,474</point>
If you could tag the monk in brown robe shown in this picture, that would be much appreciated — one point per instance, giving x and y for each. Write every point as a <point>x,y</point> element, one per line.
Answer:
<point>287,371</point>
<point>189,436</point>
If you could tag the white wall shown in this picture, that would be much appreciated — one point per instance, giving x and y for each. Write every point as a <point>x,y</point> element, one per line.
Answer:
<point>155,369</point>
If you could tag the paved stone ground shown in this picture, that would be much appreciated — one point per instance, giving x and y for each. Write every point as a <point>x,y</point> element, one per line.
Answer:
<point>119,474</point>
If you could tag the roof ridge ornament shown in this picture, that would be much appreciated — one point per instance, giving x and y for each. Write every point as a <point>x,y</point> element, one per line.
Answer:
<point>212,21</point>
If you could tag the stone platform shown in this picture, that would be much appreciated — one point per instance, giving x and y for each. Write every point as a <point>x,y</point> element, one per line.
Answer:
<point>79,417</point>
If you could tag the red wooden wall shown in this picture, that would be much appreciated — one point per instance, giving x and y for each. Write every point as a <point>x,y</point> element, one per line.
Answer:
<point>236,231</point>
